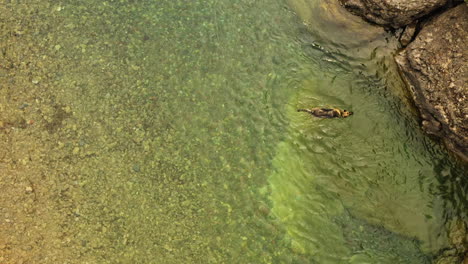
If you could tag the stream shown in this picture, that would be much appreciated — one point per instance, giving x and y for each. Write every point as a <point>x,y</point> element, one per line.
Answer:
<point>180,141</point>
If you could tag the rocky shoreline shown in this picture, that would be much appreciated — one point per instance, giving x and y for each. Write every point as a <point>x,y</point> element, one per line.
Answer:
<point>432,62</point>
<point>435,67</point>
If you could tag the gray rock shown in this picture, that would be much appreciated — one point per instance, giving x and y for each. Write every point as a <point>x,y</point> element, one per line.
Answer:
<point>392,13</point>
<point>435,68</point>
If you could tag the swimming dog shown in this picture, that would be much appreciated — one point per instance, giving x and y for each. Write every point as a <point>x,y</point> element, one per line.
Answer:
<point>327,112</point>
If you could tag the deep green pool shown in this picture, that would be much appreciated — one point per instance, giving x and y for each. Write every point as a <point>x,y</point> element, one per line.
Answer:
<point>192,150</point>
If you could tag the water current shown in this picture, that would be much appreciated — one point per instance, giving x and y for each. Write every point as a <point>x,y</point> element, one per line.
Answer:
<point>178,139</point>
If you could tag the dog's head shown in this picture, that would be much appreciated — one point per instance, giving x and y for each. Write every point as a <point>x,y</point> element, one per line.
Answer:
<point>346,113</point>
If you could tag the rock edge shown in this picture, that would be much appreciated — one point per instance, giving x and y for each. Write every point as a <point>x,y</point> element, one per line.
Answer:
<point>435,67</point>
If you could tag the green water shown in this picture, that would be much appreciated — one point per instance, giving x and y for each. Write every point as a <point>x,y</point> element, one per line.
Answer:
<point>181,142</point>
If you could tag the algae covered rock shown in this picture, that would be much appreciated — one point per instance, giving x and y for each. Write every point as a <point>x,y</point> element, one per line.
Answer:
<point>458,253</point>
<point>392,13</point>
<point>435,67</point>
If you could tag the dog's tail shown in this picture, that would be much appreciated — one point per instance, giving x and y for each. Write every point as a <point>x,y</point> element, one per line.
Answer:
<point>305,110</point>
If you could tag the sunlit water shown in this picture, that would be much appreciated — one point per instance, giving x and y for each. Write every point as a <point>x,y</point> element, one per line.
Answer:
<point>188,148</point>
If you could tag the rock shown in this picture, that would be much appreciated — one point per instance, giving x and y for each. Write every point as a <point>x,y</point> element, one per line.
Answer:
<point>408,34</point>
<point>448,259</point>
<point>458,237</point>
<point>458,251</point>
<point>392,13</point>
<point>29,189</point>
<point>435,67</point>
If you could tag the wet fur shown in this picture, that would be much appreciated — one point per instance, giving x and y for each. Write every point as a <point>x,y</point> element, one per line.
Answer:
<point>327,112</point>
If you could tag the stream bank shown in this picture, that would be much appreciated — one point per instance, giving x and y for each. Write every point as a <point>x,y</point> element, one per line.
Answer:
<point>433,63</point>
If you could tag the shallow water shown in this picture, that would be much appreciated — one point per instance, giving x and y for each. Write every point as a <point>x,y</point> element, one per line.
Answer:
<point>179,142</point>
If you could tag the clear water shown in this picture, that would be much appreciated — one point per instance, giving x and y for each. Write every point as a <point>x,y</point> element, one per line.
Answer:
<point>182,143</point>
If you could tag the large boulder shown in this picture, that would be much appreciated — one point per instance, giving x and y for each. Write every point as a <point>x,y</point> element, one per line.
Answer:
<point>392,13</point>
<point>435,68</point>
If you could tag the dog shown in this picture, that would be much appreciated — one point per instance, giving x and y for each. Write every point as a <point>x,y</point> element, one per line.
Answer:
<point>327,112</point>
